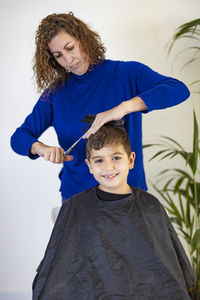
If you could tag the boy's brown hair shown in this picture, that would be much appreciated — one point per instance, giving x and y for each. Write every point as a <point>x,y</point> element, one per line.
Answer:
<point>108,135</point>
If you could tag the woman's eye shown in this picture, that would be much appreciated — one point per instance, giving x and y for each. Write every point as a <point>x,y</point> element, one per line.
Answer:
<point>71,48</point>
<point>57,56</point>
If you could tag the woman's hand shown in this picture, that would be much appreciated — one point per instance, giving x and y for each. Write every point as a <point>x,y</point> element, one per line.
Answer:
<point>116,113</point>
<point>50,153</point>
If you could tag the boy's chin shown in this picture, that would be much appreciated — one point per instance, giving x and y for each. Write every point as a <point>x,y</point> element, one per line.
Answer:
<point>114,189</point>
<point>107,189</point>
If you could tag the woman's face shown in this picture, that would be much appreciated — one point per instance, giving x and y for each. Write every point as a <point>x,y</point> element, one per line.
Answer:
<point>66,51</point>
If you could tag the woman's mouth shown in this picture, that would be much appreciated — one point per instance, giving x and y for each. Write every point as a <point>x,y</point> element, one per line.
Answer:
<point>74,67</point>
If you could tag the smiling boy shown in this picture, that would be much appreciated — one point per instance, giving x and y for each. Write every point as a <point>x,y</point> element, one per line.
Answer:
<point>110,161</point>
<point>113,241</point>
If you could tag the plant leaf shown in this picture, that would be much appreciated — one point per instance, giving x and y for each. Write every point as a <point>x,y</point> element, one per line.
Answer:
<point>158,154</point>
<point>194,157</point>
<point>189,27</point>
<point>174,207</point>
<point>196,240</point>
<point>194,82</point>
<point>173,141</point>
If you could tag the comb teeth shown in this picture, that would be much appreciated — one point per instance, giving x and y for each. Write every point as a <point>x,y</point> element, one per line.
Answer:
<point>115,123</point>
<point>89,119</point>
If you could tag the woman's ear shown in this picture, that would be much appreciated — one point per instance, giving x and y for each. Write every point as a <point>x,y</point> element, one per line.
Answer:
<point>89,165</point>
<point>131,160</point>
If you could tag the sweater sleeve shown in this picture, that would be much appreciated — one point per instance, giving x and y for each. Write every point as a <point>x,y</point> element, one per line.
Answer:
<point>34,125</point>
<point>156,90</point>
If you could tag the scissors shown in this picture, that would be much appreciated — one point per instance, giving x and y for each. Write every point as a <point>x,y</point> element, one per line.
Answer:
<point>72,146</point>
<point>89,119</point>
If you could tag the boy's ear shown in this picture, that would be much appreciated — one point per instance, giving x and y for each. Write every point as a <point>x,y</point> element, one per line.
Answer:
<point>89,166</point>
<point>131,160</point>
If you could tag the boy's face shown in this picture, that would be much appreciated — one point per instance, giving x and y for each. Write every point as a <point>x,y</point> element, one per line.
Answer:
<point>110,167</point>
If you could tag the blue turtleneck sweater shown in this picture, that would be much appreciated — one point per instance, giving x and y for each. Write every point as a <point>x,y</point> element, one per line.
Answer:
<point>102,88</point>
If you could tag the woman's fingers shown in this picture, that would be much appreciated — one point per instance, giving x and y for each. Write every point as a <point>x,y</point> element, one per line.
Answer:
<point>68,158</point>
<point>58,155</point>
<point>99,121</point>
<point>50,153</point>
<point>115,113</point>
<point>55,155</point>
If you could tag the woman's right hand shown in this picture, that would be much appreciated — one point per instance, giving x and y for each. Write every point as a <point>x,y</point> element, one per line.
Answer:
<point>50,153</point>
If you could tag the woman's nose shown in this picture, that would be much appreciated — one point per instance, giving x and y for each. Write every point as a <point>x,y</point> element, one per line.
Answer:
<point>68,57</point>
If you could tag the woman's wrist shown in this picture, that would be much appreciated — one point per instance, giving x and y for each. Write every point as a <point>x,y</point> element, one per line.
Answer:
<point>133,105</point>
<point>34,147</point>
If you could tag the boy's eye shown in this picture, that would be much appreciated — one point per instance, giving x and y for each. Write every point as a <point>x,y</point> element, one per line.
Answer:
<point>116,158</point>
<point>98,161</point>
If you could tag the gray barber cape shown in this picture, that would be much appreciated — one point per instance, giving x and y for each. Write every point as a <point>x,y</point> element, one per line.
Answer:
<point>113,250</point>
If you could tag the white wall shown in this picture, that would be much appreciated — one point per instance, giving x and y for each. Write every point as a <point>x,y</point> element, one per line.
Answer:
<point>131,30</point>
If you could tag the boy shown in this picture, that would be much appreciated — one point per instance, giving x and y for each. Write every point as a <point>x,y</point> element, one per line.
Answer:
<point>113,241</point>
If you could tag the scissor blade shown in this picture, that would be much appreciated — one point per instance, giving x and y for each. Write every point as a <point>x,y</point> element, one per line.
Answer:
<point>72,146</point>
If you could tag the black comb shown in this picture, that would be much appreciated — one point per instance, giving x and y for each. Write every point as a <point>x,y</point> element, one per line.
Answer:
<point>89,119</point>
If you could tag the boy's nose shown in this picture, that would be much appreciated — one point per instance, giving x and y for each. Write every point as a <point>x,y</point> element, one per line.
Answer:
<point>109,165</point>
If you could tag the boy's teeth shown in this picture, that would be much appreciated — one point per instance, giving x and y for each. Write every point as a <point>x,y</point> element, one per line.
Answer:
<point>109,176</point>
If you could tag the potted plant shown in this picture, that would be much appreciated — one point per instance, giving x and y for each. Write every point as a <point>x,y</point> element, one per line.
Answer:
<point>180,188</point>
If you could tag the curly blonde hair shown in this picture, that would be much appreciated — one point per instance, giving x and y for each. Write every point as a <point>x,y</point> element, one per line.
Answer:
<point>47,72</point>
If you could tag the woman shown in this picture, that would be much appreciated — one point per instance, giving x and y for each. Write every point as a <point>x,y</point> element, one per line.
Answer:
<point>76,80</point>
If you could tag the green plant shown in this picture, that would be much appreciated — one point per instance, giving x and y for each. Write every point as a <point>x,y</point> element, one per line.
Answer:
<point>181,193</point>
<point>191,32</point>
<point>180,188</point>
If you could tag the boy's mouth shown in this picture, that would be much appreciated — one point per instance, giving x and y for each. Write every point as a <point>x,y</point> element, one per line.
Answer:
<point>110,176</point>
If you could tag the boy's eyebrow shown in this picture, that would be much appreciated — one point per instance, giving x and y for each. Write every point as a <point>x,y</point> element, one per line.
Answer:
<point>99,156</point>
<point>95,157</point>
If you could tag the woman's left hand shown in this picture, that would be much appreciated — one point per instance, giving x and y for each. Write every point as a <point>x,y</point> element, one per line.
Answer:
<point>115,113</point>
<point>133,105</point>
